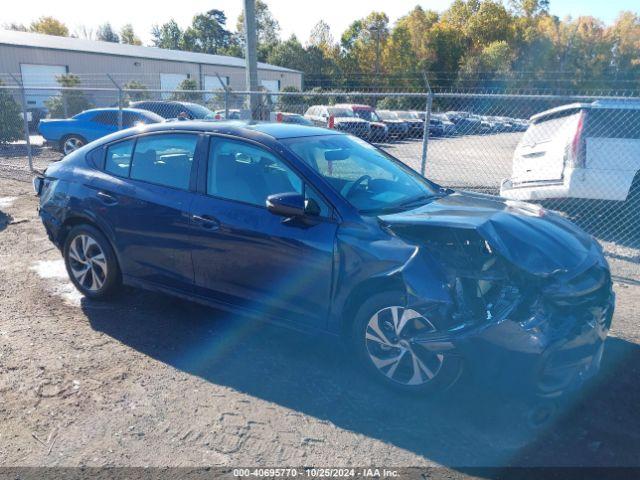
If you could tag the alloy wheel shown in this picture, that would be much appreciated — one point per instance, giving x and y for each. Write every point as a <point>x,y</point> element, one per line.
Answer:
<point>71,144</point>
<point>389,338</point>
<point>88,263</point>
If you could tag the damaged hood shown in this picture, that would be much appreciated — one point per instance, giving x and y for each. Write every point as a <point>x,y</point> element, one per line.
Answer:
<point>538,241</point>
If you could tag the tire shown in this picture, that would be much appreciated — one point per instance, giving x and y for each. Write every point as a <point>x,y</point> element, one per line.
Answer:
<point>442,370</point>
<point>70,143</point>
<point>91,262</point>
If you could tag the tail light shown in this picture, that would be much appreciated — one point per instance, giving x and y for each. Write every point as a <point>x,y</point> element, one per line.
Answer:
<point>332,120</point>
<point>218,116</point>
<point>279,117</point>
<point>577,153</point>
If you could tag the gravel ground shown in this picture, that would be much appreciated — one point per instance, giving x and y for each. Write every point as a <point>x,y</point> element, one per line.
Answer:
<point>147,380</point>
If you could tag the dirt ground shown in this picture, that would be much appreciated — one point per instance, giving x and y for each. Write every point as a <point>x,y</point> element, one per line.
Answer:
<point>147,380</point>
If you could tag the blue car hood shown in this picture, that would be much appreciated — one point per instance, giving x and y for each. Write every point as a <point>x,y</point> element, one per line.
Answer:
<point>536,240</point>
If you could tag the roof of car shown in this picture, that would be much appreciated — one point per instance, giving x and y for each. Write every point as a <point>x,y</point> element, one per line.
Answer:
<point>356,106</point>
<point>245,128</point>
<point>115,109</point>
<point>631,104</point>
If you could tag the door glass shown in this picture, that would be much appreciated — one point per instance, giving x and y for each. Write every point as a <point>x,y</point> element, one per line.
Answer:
<point>239,171</point>
<point>165,159</point>
<point>119,158</point>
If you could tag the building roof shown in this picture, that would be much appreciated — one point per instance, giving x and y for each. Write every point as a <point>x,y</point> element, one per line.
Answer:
<point>37,40</point>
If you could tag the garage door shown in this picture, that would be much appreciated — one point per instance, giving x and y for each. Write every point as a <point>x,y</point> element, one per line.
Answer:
<point>40,76</point>
<point>272,86</point>
<point>212,82</point>
<point>171,81</point>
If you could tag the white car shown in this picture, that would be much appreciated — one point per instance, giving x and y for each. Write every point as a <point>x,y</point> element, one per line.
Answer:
<point>581,150</point>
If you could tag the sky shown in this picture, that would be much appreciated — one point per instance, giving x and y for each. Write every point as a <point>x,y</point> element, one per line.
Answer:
<point>295,16</point>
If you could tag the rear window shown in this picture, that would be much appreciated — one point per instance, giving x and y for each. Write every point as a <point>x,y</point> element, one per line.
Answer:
<point>545,128</point>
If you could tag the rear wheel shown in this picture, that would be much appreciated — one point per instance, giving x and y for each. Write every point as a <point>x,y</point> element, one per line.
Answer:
<point>71,143</point>
<point>384,338</point>
<point>91,262</point>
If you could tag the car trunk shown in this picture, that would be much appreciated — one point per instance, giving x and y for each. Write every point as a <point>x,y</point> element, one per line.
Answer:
<point>546,146</point>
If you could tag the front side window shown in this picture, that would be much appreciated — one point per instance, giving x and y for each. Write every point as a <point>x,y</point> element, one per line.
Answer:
<point>246,173</point>
<point>106,118</point>
<point>118,158</point>
<point>366,177</point>
<point>240,171</point>
<point>165,159</point>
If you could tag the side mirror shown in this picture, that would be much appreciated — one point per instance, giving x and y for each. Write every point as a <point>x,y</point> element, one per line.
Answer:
<point>289,204</point>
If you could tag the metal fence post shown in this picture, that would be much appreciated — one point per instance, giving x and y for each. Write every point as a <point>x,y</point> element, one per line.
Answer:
<point>226,96</point>
<point>120,100</point>
<point>27,133</point>
<point>425,133</point>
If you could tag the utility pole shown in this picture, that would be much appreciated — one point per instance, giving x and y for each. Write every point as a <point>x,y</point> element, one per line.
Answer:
<point>251,55</point>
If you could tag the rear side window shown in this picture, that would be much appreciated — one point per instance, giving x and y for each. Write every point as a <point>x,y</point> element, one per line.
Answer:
<point>613,123</point>
<point>118,158</point>
<point>165,159</point>
<point>106,118</point>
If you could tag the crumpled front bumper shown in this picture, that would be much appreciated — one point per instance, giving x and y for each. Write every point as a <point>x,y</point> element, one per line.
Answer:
<point>553,358</point>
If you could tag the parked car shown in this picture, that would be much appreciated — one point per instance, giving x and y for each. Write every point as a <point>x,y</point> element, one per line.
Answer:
<point>448,127</point>
<point>285,117</point>
<point>436,124</point>
<point>72,133</point>
<point>379,131</point>
<point>416,123</point>
<point>321,231</point>
<point>234,114</point>
<point>172,109</point>
<point>338,118</point>
<point>465,122</point>
<point>581,150</point>
<point>397,127</point>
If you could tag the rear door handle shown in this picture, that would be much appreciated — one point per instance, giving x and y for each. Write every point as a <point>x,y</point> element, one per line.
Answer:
<point>107,199</point>
<point>206,221</point>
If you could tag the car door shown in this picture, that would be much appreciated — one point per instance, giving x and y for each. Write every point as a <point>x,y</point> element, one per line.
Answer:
<point>143,193</point>
<point>246,256</point>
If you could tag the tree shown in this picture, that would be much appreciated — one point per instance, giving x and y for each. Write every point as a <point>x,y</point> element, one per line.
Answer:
<point>168,35</point>
<point>291,103</point>
<point>530,8</point>
<point>10,118</point>
<point>187,84</point>
<point>321,38</point>
<point>128,35</point>
<point>207,33</point>
<point>141,92</point>
<point>69,102</point>
<point>17,27</point>
<point>49,26</point>
<point>82,31</point>
<point>106,33</point>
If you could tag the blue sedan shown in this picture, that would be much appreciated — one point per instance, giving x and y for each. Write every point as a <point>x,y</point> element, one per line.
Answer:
<point>72,133</point>
<point>318,230</point>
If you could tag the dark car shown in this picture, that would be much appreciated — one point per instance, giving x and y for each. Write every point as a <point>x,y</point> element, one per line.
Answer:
<point>397,127</point>
<point>379,131</point>
<point>174,109</point>
<point>416,123</point>
<point>286,117</point>
<point>338,118</point>
<point>465,122</point>
<point>321,231</point>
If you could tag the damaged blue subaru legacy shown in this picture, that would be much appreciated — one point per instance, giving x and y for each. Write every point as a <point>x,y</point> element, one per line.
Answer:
<point>320,231</point>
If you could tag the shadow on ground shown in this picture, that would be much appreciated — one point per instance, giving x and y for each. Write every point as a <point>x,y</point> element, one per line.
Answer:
<point>467,426</point>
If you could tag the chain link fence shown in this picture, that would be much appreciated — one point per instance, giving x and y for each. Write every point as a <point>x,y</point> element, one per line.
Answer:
<point>577,154</point>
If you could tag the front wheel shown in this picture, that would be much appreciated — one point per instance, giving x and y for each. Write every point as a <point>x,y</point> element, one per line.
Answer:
<point>384,338</point>
<point>91,262</point>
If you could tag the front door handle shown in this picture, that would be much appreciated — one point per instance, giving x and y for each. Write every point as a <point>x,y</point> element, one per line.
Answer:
<point>107,199</point>
<point>206,221</point>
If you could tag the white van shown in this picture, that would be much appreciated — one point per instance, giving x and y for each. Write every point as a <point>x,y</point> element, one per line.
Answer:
<point>582,150</point>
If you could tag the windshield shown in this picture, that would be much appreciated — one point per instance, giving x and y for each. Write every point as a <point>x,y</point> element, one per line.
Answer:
<point>368,115</point>
<point>341,112</point>
<point>369,179</point>
<point>198,111</point>
<point>386,115</point>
